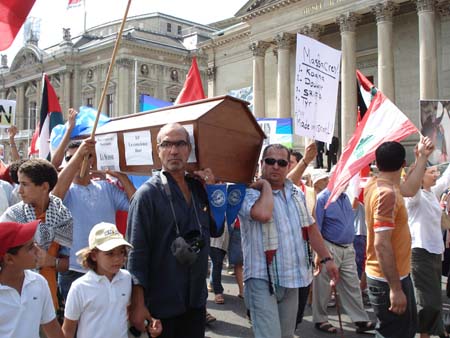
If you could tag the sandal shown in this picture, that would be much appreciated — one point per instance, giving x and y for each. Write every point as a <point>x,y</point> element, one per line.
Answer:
<point>210,318</point>
<point>362,327</point>
<point>325,327</point>
<point>218,299</point>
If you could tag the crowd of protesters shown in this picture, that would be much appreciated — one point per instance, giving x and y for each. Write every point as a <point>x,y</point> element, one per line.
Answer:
<point>64,258</point>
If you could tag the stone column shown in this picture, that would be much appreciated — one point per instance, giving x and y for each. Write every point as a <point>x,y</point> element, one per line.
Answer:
<point>20,107</point>
<point>284,42</point>
<point>259,51</point>
<point>66,101</point>
<point>77,84</point>
<point>211,72</point>
<point>313,30</point>
<point>383,13</point>
<point>124,91</point>
<point>347,25</point>
<point>427,50</point>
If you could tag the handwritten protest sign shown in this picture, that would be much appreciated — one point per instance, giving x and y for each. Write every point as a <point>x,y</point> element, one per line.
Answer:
<point>7,113</point>
<point>107,152</point>
<point>316,85</point>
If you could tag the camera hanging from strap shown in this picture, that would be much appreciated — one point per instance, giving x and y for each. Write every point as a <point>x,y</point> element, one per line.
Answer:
<point>168,192</point>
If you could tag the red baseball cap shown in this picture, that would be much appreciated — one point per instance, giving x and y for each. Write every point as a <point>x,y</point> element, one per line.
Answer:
<point>13,234</point>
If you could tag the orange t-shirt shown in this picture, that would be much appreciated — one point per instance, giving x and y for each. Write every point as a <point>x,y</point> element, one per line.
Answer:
<point>385,210</point>
<point>49,272</point>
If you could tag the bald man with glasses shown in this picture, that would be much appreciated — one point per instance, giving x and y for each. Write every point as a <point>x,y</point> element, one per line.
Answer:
<point>276,232</point>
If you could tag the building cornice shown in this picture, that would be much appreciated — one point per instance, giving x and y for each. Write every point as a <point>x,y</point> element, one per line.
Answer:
<point>222,40</point>
<point>267,9</point>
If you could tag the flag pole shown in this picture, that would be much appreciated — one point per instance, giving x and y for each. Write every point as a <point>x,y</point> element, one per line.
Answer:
<point>85,16</point>
<point>105,87</point>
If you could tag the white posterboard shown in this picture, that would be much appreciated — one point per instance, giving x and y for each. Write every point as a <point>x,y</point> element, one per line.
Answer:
<point>190,129</point>
<point>107,151</point>
<point>138,148</point>
<point>317,72</point>
<point>7,113</point>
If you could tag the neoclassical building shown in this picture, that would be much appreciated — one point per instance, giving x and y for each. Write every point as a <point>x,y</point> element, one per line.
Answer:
<point>153,59</point>
<point>404,46</point>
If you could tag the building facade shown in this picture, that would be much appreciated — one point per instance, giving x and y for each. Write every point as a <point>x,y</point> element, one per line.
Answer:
<point>403,45</point>
<point>153,59</point>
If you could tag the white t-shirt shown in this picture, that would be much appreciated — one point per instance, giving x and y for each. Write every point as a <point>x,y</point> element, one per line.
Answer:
<point>21,315</point>
<point>100,305</point>
<point>424,216</point>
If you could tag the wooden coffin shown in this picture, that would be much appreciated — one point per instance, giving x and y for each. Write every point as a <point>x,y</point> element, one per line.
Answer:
<point>227,137</point>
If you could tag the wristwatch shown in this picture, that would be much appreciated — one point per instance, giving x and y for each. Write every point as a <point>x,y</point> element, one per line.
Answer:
<point>325,259</point>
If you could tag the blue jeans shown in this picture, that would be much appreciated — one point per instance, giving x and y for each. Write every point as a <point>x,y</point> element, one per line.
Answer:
<point>217,255</point>
<point>391,325</point>
<point>272,315</point>
<point>65,280</point>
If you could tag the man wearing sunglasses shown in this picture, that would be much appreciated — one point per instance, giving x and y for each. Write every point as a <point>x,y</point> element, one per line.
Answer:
<point>276,227</point>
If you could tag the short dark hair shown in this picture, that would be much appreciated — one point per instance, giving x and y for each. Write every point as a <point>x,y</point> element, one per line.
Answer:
<point>390,156</point>
<point>85,259</point>
<point>75,144</point>
<point>298,155</point>
<point>13,168</point>
<point>40,171</point>
<point>276,146</point>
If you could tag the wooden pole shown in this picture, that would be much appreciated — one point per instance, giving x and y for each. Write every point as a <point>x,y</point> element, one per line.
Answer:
<point>105,87</point>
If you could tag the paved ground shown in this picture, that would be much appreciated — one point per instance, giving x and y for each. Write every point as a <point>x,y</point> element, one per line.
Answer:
<point>232,321</point>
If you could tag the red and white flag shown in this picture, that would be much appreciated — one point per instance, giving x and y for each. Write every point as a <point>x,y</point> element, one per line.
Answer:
<point>382,122</point>
<point>193,87</point>
<point>74,3</point>
<point>12,16</point>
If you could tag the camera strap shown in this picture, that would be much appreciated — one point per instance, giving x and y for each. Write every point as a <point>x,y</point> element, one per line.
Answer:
<point>168,192</point>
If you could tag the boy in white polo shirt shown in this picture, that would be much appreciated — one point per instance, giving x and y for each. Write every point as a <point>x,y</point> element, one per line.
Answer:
<point>25,300</point>
<point>97,302</point>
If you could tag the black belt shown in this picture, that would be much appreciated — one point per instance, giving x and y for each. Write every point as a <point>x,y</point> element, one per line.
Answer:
<point>345,246</point>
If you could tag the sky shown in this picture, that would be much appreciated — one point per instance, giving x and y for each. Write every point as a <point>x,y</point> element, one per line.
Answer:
<point>54,15</point>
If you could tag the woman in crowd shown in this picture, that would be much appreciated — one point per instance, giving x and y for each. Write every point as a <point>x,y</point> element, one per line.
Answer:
<point>424,218</point>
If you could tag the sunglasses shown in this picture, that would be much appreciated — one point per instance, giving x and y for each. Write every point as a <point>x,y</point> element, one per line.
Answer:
<point>271,161</point>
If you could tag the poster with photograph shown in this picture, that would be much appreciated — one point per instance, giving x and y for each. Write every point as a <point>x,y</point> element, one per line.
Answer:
<point>435,123</point>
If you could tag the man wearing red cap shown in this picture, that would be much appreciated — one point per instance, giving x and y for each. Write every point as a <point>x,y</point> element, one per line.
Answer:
<point>25,300</point>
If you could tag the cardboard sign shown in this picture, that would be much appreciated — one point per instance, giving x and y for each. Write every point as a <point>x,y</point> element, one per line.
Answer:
<point>7,113</point>
<point>316,87</point>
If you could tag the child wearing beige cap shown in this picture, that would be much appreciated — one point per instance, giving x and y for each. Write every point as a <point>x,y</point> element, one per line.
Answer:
<point>97,302</point>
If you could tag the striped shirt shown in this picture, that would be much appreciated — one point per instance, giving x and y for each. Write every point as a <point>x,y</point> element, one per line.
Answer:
<point>291,257</point>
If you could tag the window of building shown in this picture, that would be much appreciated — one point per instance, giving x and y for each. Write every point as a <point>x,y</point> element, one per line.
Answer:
<point>179,30</point>
<point>169,27</point>
<point>109,104</point>
<point>89,102</point>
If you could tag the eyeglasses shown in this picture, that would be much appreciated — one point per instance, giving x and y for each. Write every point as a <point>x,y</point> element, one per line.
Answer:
<point>177,144</point>
<point>271,161</point>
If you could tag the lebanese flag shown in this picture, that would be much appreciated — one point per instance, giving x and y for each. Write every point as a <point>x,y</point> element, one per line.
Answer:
<point>12,16</point>
<point>73,4</point>
<point>50,116</point>
<point>382,122</point>
<point>193,87</point>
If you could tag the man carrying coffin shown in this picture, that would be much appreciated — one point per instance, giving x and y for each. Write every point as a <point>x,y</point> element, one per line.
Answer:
<point>275,226</point>
<point>169,226</point>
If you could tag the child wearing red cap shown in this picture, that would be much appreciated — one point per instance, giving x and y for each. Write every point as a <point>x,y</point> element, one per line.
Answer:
<point>25,300</point>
